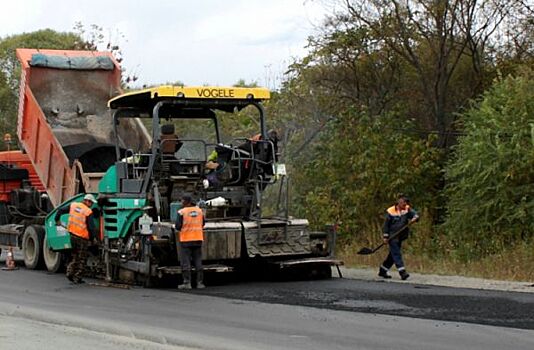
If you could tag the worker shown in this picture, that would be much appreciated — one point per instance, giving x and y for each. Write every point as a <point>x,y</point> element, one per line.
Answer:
<point>82,232</point>
<point>211,163</point>
<point>211,167</point>
<point>189,225</point>
<point>398,218</point>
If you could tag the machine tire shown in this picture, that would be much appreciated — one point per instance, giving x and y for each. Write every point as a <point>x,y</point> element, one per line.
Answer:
<point>32,243</point>
<point>53,260</point>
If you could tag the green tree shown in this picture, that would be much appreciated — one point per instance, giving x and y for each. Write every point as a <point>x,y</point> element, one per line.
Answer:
<point>491,178</point>
<point>7,107</point>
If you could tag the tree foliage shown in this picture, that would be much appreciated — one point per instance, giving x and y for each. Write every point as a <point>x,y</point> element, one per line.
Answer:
<point>424,58</point>
<point>7,107</point>
<point>491,177</point>
<point>359,166</point>
<point>374,108</point>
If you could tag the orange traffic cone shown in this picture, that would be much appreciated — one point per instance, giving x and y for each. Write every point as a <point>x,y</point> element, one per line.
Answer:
<point>10,261</point>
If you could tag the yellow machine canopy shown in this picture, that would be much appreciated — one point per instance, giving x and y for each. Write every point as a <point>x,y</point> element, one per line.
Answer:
<point>220,96</point>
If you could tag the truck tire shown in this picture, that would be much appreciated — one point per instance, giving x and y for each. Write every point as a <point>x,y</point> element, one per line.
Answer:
<point>53,260</point>
<point>32,243</point>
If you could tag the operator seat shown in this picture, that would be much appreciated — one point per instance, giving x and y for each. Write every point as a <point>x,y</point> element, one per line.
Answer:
<point>169,141</point>
<point>169,145</point>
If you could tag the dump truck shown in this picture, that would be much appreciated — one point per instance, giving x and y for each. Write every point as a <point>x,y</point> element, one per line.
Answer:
<point>139,153</point>
<point>66,143</point>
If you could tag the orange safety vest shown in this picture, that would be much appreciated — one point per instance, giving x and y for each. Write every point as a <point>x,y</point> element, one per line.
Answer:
<point>394,212</point>
<point>192,223</point>
<point>77,220</point>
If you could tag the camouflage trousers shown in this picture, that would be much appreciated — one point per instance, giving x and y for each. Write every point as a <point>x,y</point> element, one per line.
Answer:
<point>76,267</point>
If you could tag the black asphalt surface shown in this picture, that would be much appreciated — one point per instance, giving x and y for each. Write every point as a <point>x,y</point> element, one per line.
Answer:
<point>496,308</point>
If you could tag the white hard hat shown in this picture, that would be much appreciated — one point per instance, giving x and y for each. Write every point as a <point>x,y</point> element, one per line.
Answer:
<point>89,197</point>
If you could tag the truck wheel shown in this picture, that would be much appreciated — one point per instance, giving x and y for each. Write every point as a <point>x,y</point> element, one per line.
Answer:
<point>32,243</point>
<point>53,260</point>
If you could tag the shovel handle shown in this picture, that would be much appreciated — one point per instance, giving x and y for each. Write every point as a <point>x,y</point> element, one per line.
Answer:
<point>392,236</point>
<point>366,251</point>
<point>399,231</point>
<point>378,247</point>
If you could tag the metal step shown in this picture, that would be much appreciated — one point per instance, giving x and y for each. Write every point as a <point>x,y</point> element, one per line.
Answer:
<point>327,261</point>
<point>176,270</point>
<point>316,261</point>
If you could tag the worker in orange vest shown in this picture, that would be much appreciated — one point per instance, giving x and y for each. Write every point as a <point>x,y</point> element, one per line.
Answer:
<point>82,232</point>
<point>189,225</point>
<point>398,218</point>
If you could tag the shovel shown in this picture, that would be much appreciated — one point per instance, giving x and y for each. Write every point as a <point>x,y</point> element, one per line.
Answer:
<point>367,251</point>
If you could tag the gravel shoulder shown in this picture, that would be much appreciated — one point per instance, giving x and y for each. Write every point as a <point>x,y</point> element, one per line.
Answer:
<point>368,274</point>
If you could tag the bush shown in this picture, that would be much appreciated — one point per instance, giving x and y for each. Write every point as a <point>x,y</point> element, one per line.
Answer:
<point>491,177</point>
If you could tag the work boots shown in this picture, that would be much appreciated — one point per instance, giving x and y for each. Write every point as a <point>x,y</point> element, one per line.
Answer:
<point>186,276</point>
<point>382,272</point>
<point>404,275</point>
<point>200,280</point>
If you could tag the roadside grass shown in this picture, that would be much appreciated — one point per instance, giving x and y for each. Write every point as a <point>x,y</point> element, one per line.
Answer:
<point>513,263</point>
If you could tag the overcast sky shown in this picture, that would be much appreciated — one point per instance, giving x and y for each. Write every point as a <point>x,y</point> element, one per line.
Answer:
<point>196,42</point>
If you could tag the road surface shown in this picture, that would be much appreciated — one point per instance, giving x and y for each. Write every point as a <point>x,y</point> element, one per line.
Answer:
<point>44,311</point>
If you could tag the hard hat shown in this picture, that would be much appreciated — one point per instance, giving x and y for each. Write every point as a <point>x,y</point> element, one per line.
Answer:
<point>89,197</point>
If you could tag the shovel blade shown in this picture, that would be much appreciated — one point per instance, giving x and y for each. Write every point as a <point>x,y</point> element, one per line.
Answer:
<point>365,251</point>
